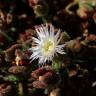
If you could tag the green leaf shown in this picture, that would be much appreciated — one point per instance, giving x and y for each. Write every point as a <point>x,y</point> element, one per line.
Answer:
<point>56,65</point>
<point>12,78</point>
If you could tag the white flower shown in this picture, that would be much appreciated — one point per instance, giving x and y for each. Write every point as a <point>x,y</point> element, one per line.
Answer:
<point>46,44</point>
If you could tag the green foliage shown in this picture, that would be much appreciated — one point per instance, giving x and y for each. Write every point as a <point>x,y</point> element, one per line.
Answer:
<point>56,65</point>
<point>13,78</point>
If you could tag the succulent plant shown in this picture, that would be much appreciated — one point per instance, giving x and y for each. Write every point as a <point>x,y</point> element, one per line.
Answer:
<point>5,89</point>
<point>38,72</point>
<point>17,69</point>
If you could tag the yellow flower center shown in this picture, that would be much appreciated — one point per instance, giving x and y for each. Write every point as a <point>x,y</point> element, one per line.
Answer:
<point>48,47</point>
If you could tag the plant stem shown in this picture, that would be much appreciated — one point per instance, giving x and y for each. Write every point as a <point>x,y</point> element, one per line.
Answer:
<point>20,89</point>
